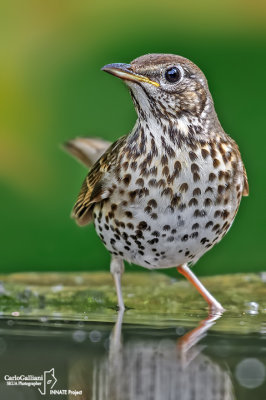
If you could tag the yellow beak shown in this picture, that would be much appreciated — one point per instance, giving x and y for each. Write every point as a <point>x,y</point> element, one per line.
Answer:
<point>124,71</point>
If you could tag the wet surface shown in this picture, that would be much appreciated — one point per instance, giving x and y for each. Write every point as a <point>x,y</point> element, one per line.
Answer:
<point>61,338</point>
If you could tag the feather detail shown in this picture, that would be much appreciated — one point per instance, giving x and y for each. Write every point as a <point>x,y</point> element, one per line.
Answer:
<point>87,150</point>
<point>246,185</point>
<point>95,187</point>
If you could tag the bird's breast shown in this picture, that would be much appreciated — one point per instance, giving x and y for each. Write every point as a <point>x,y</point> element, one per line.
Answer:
<point>171,207</point>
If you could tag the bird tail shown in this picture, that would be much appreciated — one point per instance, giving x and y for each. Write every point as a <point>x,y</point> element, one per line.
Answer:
<point>86,150</point>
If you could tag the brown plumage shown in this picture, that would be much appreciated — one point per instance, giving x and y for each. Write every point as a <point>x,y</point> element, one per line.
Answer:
<point>87,150</point>
<point>95,188</point>
<point>168,191</point>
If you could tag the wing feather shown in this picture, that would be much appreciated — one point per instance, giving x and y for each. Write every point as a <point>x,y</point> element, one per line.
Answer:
<point>87,150</point>
<point>96,186</point>
<point>246,185</point>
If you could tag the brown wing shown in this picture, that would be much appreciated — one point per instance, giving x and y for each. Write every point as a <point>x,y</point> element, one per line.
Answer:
<point>246,186</point>
<point>87,150</point>
<point>95,186</point>
<point>238,155</point>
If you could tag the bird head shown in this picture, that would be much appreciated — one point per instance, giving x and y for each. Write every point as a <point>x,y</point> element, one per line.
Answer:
<point>164,85</point>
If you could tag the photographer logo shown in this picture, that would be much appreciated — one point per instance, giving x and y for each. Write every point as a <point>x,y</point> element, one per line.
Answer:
<point>44,383</point>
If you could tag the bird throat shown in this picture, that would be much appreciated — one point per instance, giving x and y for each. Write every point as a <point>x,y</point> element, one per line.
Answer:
<point>153,137</point>
<point>169,126</point>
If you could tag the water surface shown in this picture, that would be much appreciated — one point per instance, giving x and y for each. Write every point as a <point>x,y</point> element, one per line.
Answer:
<point>54,349</point>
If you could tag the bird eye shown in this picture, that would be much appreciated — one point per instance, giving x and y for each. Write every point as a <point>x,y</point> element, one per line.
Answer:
<point>173,74</point>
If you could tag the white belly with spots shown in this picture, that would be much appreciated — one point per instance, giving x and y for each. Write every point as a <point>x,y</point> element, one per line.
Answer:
<point>170,221</point>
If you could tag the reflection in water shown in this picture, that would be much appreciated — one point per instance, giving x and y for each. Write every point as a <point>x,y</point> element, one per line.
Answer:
<point>148,370</point>
<point>137,362</point>
<point>161,369</point>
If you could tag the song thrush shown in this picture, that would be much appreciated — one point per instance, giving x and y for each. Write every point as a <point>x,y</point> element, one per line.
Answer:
<point>167,192</point>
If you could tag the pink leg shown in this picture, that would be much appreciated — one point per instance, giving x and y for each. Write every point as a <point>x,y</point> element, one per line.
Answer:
<point>188,347</point>
<point>215,306</point>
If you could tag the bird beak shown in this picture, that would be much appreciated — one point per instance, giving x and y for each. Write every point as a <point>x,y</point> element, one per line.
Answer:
<point>125,72</point>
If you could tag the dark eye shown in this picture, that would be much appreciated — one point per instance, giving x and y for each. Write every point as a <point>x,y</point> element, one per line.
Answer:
<point>173,74</point>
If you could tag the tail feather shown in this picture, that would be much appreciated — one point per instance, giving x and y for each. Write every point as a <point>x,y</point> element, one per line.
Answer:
<point>86,150</point>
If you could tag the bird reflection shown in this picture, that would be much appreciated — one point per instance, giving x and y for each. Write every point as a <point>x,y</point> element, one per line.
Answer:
<point>187,343</point>
<point>159,369</point>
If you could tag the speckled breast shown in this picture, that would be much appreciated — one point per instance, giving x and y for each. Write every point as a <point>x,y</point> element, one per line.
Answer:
<point>172,210</point>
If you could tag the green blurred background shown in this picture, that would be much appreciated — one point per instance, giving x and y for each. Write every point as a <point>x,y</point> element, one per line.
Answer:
<point>52,89</point>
